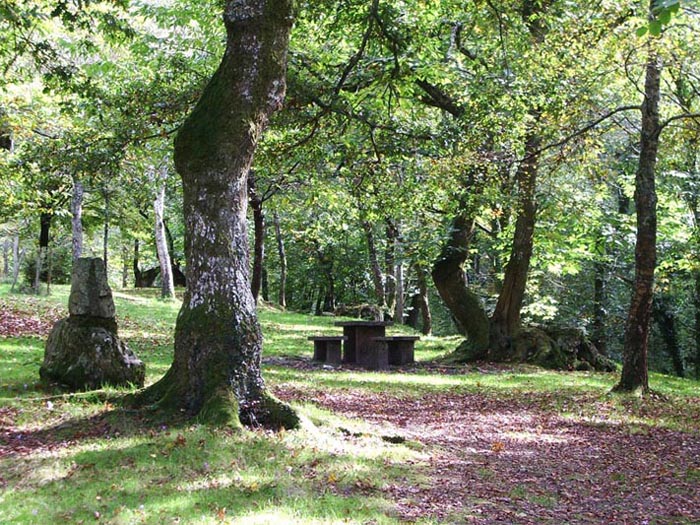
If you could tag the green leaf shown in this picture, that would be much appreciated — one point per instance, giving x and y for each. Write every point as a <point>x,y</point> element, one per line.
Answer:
<point>641,31</point>
<point>665,16</point>
<point>655,28</point>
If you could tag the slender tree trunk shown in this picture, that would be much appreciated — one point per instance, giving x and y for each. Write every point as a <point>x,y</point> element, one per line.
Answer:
<point>599,337</point>
<point>666,321</point>
<point>505,321</point>
<point>76,208</point>
<point>218,343</point>
<point>399,277</point>
<point>105,234</point>
<point>282,293</point>
<point>635,375</point>
<point>6,248</point>
<point>167,287</point>
<point>377,277</point>
<point>390,267</point>
<point>44,237</point>
<point>49,269</point>
<point>256,205</point>
<point>265,287</point>
<point>125,265</point>
<point>696,305</point>
<point>135,264</point>
<point>17,258</point>
<point>424,302</point>
<point>451,282</point>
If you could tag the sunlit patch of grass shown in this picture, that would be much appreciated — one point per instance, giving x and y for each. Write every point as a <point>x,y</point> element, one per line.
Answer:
<point>315,475</point>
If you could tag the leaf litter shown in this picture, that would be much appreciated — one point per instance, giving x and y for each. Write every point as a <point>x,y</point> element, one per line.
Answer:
<point>520,460</point>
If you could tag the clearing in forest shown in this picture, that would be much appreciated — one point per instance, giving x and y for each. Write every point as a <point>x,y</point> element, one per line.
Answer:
<point>420,444</point>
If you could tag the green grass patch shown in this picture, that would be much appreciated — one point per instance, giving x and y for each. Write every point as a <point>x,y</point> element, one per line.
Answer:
<point>90,462</point>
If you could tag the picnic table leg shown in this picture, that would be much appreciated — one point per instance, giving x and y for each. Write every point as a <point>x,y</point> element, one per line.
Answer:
<point>320,350</point>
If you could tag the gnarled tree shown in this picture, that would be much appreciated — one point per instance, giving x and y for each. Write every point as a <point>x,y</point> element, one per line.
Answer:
<point>216,369</point>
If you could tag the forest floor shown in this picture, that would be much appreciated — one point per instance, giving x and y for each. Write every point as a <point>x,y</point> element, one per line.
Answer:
<point>421,444</point>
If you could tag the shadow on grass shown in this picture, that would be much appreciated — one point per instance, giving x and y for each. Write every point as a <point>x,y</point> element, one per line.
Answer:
<point>125,466</point>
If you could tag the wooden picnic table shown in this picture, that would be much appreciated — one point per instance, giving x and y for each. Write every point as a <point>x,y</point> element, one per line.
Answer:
<point>360,346</point>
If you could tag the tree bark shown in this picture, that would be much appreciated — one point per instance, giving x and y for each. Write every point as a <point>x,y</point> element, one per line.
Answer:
<point>76,208</point>
<point>451,282</point>
<point>218,343</point>
<point>377,277</point>
<point>125,265</point>
<point>44,236</point>
<point>424,302</point>
<point>105,233</point>
<point>256,205</point>
<point>635,375</point>
<point>505,321</point>
<point>282,293</point>
<point>6,248</point>
<point>167,286</point>
<point>390,266</point>
<point>17,258</point>
<point>599,337</point>
<point>666,321</point>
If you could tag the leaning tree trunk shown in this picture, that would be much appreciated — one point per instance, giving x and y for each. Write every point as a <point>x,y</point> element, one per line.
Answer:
<point>282,293</point>
<point>218,343</point>
<point>505,321</point>
<point>167,287</point>
<point>451,282</point>
<point>76,208</point>
<point>635,374</point>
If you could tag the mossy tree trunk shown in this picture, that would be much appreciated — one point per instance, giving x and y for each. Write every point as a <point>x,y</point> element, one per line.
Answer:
<point>451,282</point>
<point>505,321</point>
<point>216,369</point>
<point>635,375</point>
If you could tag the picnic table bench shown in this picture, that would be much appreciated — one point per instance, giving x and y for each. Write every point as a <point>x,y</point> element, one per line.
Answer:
<point>327,348</point>
<point>399,348</point>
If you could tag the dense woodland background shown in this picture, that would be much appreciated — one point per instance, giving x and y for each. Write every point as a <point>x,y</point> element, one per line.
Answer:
<point>406,124</point>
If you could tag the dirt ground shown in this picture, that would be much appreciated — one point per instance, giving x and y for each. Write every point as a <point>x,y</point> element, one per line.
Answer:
<point>512,462</point>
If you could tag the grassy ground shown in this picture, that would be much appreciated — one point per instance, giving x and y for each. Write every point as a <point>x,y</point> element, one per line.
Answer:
<point>81,459</point>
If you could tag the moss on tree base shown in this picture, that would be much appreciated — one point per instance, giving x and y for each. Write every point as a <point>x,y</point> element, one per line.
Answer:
<point>555,348</point>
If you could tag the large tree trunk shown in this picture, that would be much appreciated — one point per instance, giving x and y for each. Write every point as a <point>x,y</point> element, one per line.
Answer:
<point>635,375</point>
<point>451,282</point>
<point>167,286</point>
<point>218,343</point>
<point>505,321</point>
<point>256,204</point>
<point>282,293</point>
<point>76,208</point>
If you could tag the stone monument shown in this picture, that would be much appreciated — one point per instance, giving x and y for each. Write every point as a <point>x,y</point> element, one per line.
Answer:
<point>84,351</point>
